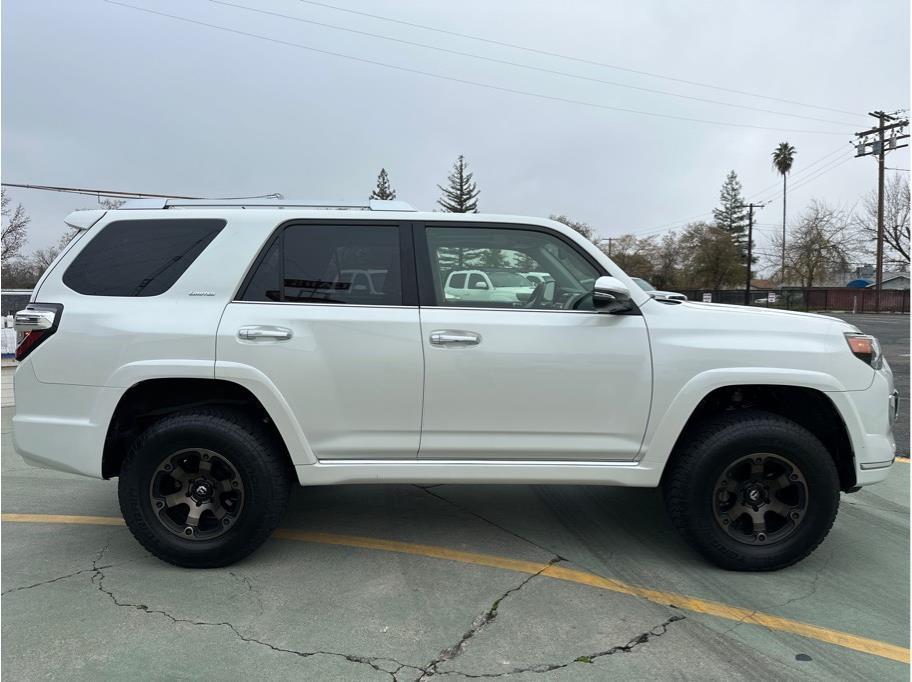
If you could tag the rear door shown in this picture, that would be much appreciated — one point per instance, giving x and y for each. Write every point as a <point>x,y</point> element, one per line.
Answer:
<point>343,353</point>
<point>546,378</point>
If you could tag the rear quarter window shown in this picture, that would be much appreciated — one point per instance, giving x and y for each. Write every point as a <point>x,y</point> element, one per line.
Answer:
<point>139,257</point>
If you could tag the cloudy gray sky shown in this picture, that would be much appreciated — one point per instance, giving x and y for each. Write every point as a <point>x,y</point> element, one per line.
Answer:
<point>99,95</point>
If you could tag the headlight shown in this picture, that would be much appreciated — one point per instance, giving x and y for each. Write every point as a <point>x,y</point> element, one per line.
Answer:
<point>866,348</point>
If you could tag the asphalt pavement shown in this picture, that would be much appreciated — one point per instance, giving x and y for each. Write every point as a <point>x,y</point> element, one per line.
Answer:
<point>452,581</point>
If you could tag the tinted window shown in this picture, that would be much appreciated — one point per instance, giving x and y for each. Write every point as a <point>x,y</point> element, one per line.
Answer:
<point>330,264</point>
<point>264,284</point>
<point>504,254</point>
<point>139,257</point>
<point>458,281</point>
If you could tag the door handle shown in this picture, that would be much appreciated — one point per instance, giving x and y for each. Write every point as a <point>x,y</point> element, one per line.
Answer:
<point>451,337</point>
<point>264,332</point>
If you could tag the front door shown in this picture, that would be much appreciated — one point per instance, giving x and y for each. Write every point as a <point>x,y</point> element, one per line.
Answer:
<point>328,316</point>
<point>541,377</point>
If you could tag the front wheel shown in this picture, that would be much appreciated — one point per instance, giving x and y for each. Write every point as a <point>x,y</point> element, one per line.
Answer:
<point>203,488</point>
<point>752,491</point>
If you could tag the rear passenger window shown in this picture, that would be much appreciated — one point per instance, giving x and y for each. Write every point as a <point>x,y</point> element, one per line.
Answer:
<point>139,257</point>
<point>458,281</point>
<point>330,264</point>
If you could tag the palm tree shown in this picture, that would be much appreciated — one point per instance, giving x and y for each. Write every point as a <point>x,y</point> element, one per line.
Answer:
<point>783,158</point>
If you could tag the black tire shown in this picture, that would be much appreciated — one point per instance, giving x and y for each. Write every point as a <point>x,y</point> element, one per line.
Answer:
<point>257,464</point>
<point>696,489</point>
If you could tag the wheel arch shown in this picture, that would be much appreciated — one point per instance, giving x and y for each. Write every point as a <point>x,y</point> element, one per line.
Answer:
<point>149,400</point>
<point>807,406</point>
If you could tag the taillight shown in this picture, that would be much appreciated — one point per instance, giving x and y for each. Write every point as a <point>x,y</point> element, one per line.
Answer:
<point>38,321</point>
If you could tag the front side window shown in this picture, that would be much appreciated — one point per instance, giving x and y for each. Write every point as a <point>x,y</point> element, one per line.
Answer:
<point>564,277</point>
<point>476,281</point>
<point>139,257</point>
<point>344,264</point>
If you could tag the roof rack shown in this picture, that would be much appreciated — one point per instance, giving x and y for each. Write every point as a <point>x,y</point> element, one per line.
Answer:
<point>370,205</point>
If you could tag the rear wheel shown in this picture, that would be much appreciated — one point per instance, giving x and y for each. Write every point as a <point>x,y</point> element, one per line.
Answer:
<point>203,488</point>
<point>752,491</point>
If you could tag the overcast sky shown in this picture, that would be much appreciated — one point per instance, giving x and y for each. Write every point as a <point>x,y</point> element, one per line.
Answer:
<point>99,95</point>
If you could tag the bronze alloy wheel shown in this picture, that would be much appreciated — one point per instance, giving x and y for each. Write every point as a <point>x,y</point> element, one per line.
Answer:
<point>196,494</point>
<point>760,499</point>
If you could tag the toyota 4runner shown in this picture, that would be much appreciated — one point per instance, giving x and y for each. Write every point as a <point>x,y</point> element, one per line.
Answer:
<point>211,353</point>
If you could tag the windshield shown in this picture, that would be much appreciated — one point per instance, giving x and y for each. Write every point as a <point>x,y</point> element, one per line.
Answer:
<point>643,284</point>
<point>509,279</point>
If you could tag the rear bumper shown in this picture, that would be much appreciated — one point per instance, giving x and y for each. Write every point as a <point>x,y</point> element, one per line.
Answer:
<point>61,426</point>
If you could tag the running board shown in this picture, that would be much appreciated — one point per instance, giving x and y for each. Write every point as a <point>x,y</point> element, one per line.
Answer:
<point>335,472</point>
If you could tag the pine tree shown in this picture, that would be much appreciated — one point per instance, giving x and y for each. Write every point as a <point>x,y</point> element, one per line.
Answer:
<point>461,193</point>
<point>383,191</point>
<point>731,216</point>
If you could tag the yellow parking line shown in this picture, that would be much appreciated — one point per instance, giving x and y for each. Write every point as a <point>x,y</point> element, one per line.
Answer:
<point>902,459</point>
<point>712,608</point>
<point>62,518</point>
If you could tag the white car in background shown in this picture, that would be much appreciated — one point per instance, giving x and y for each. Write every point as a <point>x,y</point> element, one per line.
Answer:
<point>538,277</point>
<point>492,286</point>
<point>658,293</point>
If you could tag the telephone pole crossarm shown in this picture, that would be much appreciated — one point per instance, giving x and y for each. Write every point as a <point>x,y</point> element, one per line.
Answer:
<point>880,147</point>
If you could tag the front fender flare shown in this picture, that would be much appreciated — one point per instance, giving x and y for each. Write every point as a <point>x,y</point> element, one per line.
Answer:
<point>664,429</point>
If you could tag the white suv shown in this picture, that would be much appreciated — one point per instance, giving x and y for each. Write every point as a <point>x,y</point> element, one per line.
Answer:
<point>211,353</point>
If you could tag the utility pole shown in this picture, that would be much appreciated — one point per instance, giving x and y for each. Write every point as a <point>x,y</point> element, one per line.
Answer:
<point>880,146</point>
<point>610,239</point>
<point>750,249</point>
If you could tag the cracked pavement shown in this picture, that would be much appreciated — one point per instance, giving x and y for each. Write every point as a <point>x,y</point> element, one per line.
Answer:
<point>86,602</point>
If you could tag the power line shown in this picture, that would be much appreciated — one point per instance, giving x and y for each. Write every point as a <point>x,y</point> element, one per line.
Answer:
<point>572,58</point>
<point>833,164</point>
<point>823,170</point>
<point>118,194</point>
<point>519,65</point>
<point>111,193</point>
<point>463,81</point>
<point>801,171</point>
<point>672,225</point>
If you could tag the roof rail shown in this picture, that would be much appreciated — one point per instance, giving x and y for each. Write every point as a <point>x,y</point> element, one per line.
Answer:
<point>370,205</point>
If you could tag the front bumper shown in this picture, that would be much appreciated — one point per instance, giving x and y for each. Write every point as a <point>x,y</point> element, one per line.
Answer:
<point>869,416</point>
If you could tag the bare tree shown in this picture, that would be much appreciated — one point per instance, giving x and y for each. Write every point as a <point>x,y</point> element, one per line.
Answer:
<point>41,259</point>
<point>15,226</point>
<point>584,229</point>
<point>632,255</point>
<point>896,220</point>
<point>821,244</point>
<point>666,261</point>
<point>110,204</point>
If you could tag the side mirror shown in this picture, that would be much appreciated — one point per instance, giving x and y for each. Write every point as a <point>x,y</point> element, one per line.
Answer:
<point>610,295</point>
<point>481,285</point>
